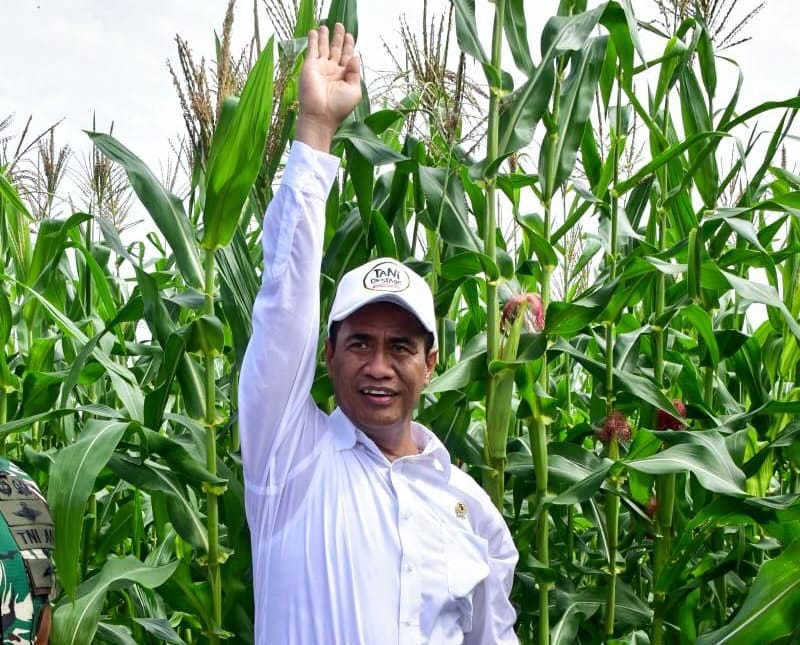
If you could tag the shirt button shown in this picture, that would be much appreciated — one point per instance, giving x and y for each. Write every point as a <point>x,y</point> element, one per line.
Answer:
<point>409,568</point>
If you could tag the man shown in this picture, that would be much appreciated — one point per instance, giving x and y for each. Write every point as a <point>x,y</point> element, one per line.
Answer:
<point>26,573</point>
<point>363,533</point>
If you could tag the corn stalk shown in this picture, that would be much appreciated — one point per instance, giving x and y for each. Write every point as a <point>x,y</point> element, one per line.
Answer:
<point>496,405</point>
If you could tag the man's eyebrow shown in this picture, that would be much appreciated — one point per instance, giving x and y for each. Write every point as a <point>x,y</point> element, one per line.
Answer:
<point>359,335</point>
<point>365,336</point>
<point>401,339</point>
<point>411,342</point>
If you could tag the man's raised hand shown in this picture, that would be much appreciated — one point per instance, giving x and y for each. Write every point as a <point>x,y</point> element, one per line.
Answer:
<point>330,86</point>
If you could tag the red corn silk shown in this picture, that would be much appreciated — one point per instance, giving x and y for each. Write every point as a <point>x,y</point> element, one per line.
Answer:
<point>614,427</point>
<point>534,313</point>
<point>665,421</point>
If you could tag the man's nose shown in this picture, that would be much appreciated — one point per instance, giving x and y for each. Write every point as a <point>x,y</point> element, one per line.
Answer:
<point>379,364</point>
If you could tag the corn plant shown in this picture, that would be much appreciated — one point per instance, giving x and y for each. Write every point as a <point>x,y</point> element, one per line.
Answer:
<point>637,430</point>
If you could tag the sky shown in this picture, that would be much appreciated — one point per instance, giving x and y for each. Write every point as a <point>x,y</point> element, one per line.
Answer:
<point>67,60</point>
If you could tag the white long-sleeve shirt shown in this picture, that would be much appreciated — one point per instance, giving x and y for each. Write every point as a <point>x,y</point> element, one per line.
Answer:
<point>349,548</point>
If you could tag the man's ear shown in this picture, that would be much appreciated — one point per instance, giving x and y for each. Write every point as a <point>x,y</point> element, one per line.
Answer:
<point>329,355</point>
<point>430,362</point>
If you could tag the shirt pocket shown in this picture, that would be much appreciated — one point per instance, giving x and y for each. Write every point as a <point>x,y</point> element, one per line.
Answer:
<point>467,566</point>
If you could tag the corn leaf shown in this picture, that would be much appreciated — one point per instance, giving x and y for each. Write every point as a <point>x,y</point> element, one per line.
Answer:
<point>711,469</point>
<point>367,143</point>
<point>559,150</point>
<point>467,30</point>
<point>237,152</point>
<point>153,478</point>
<point>696,118</point>
<point>72,479</point>
<point>770,610</point>
<point>49,247</point>
<point>764,294</point>
<point>164,207</point>
<point>123,378</point>
<point>447,208</point>
<point>525,107</point>
<point>346,12</point>
<point>305,18</point>
<point>516,31</point>
<point>10,195</point>
<point>77,622</point>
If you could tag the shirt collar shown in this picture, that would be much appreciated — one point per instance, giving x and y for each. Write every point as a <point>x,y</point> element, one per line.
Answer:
<point>432,448</point>
<point>344,432</point>
<point>346,435</point>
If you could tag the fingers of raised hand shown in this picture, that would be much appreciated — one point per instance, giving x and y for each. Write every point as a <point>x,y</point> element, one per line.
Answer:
<point>352,70</point>
<point>337,47</point>
<point>324,45</point>
<point>336,43</point>
<point>313,44</point>
<point>348,47</point>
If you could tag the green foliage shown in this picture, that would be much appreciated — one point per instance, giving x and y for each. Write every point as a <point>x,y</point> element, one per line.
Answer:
<point>72,480</point>
<point>78,622</point>
<point>119,362</point>
<point>165,208</point>
<point>237,154</point>
<point>770,609</point>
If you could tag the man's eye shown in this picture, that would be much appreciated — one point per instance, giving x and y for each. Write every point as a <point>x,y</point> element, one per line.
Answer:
<point>402,349</point>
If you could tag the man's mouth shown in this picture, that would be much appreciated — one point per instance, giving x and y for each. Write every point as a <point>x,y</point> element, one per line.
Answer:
<point>378,394</point>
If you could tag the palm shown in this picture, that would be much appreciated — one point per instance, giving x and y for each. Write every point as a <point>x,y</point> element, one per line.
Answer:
<point>330,86</point>
<point>324,90</point>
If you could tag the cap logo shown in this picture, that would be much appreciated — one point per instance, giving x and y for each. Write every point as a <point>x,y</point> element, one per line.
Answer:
<point>386,276</point>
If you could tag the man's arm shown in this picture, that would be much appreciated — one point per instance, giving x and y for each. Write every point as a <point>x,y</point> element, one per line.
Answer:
<point>276,412</point>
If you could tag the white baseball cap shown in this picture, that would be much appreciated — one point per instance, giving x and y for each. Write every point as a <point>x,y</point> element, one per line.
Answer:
<point>384,280</point>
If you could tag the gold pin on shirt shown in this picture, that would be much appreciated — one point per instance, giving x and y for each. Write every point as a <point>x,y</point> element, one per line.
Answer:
<point>461,510</point>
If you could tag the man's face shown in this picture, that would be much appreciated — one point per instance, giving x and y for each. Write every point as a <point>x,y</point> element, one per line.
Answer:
<point>379,367</point>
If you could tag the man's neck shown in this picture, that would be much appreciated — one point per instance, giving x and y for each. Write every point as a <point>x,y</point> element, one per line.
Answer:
<point>395,445</point>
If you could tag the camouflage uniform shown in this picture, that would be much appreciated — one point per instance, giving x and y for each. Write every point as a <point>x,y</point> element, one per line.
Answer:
<point>26,542</point>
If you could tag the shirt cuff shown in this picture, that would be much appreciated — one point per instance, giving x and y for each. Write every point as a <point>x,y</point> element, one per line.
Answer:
<point>310,171</point>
